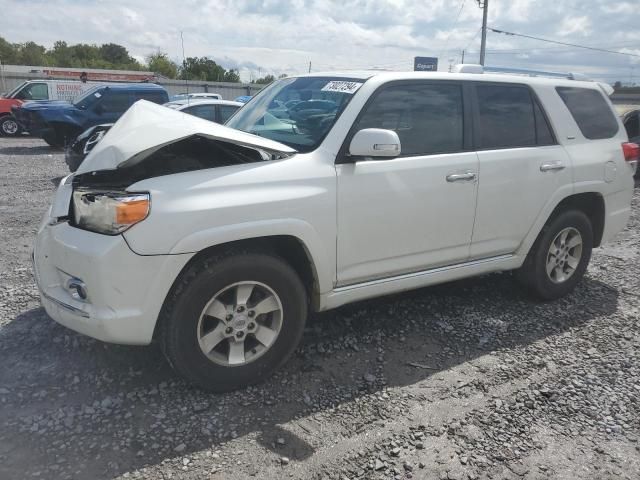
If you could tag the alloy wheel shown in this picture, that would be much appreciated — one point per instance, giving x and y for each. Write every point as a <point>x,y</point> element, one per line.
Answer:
<point>240,323</point>
<point>564,255</point>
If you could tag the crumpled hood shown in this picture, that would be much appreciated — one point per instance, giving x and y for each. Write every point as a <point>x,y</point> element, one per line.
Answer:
<point>146,127</point>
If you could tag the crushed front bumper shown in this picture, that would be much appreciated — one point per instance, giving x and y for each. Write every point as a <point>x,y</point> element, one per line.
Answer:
<point>124,291</point>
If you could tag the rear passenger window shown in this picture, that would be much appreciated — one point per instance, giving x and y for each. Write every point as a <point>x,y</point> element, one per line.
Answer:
<point>428,118</point>
<point>155,97</point>
<point>507,118</point>
<point>590,111</point>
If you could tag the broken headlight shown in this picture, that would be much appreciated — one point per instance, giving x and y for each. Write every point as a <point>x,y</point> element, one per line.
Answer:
<point>109,212</point>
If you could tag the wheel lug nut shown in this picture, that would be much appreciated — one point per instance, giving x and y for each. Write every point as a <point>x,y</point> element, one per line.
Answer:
<point>251,326</point>
<point>229,317</point>
<point>228,330</point>
<point>251,313</point>
<point>240,309</point>
<point>239,334</point>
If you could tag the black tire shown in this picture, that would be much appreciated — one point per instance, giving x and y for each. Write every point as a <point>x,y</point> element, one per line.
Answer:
<point>61,135</point>
<point>9,127</point>
<point>533,273</point>
<point>54,138</point>
<point>192,291</point>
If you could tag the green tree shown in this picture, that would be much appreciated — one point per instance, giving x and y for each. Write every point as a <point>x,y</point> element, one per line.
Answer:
<point>265,80</point>
<point>115,54</point>
<point>61,55</point>
<point>203,68</point>
<point>31,53</point>
<point>232,76</point>
<point>160,63</point>
<point>8,52</point>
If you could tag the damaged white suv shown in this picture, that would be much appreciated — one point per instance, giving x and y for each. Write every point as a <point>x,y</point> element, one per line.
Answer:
<point>323,190</point>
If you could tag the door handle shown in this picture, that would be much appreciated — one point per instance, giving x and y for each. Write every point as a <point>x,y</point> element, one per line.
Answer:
<point>461,177</point>
<point>545,167</point>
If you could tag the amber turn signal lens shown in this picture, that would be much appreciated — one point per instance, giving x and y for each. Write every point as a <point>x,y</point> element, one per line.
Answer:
<point>128,213</point>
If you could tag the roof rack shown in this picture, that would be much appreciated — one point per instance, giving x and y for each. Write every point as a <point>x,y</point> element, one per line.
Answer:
<point>475,68</point>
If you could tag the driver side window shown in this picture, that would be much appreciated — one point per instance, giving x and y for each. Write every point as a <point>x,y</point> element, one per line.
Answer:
<point>428,118</point>
<point>34,91</point>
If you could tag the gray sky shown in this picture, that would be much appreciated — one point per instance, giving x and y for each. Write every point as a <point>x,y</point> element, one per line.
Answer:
<point>283,36</point>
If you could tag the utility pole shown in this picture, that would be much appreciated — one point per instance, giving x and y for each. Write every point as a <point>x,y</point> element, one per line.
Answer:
<point>484,4</point>
<point>309,67</point>
<point>462,57</point>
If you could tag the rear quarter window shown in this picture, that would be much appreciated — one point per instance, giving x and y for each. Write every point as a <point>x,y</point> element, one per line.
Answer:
<point>590,111</point>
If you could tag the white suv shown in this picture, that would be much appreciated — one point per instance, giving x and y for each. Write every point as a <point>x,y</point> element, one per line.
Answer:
<point>217,240</point>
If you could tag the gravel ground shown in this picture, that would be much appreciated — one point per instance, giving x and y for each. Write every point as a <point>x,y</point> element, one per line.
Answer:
<point>469,380</point>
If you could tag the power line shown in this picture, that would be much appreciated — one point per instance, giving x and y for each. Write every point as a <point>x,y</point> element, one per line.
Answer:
<point>495,30</point>
<point>455,22</point>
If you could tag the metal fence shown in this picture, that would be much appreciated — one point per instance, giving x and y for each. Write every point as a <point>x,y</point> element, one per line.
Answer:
<point>229,91</point>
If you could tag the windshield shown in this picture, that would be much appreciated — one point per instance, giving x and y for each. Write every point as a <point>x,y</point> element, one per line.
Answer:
<point>298,112</point>
<point>13,92</point>
<point>88,97</point>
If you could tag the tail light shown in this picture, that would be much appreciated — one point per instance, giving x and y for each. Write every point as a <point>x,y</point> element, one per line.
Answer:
<point>631,154</point>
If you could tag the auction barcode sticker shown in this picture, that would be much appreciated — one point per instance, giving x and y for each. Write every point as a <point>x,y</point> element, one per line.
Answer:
<point>342,86</point>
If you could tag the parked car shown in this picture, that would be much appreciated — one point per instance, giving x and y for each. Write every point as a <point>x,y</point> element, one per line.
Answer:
<point>243,98</point>
<point>217,243</point>
<point>194,95</point>
<point>218,111</point>
<point>59,122</point>
<point>77,150</point>
<point>213,110</point>
<point>37,90</point>
<point>631,121</point>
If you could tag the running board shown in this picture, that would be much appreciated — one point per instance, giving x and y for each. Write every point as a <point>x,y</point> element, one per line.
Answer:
<point>409,281</point>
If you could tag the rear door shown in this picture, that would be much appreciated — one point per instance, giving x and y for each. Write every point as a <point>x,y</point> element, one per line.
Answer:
<point>521,166</point>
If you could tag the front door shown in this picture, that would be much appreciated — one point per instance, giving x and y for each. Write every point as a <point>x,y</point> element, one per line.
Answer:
<point>415,211</point>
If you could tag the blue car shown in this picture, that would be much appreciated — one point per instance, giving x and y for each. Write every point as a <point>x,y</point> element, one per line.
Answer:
<point>243,98</point>
<point>59,122</point>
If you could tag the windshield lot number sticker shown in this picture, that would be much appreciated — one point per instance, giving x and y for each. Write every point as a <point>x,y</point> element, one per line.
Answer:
<point>341,86</point>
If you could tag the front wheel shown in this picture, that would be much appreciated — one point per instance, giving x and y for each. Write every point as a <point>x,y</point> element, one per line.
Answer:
<point>54,138</point>
<point>559,257</point>
<point>231,320</point>
<point>9,126</point>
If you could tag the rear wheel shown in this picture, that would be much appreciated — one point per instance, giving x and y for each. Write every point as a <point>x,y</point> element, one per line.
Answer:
<point>559,257</point>
<point>9,126</point>
<point>233,319</point>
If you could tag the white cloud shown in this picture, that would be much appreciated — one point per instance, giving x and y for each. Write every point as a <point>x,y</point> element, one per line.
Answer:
<point>283,36</point>
<point>571,25</point>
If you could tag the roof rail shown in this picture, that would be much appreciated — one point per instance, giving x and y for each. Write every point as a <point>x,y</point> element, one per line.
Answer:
<point>474,68</point>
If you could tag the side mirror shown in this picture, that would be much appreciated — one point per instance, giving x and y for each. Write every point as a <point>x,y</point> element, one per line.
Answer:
<point>376,143</point>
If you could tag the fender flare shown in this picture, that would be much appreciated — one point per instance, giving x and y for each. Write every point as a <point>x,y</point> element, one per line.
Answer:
<point>558,197</point>
<point>322,265</point>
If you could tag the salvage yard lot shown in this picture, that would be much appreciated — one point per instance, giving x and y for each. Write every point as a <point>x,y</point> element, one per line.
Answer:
<point>467,380</point>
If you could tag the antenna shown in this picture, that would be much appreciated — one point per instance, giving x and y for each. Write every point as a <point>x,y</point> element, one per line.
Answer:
<point>186,84</point>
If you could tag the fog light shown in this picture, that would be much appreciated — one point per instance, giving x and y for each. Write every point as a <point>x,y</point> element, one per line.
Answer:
<point>77,289</point>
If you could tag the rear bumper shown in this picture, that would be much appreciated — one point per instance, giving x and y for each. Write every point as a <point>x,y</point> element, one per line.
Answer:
<point>125,291</point>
